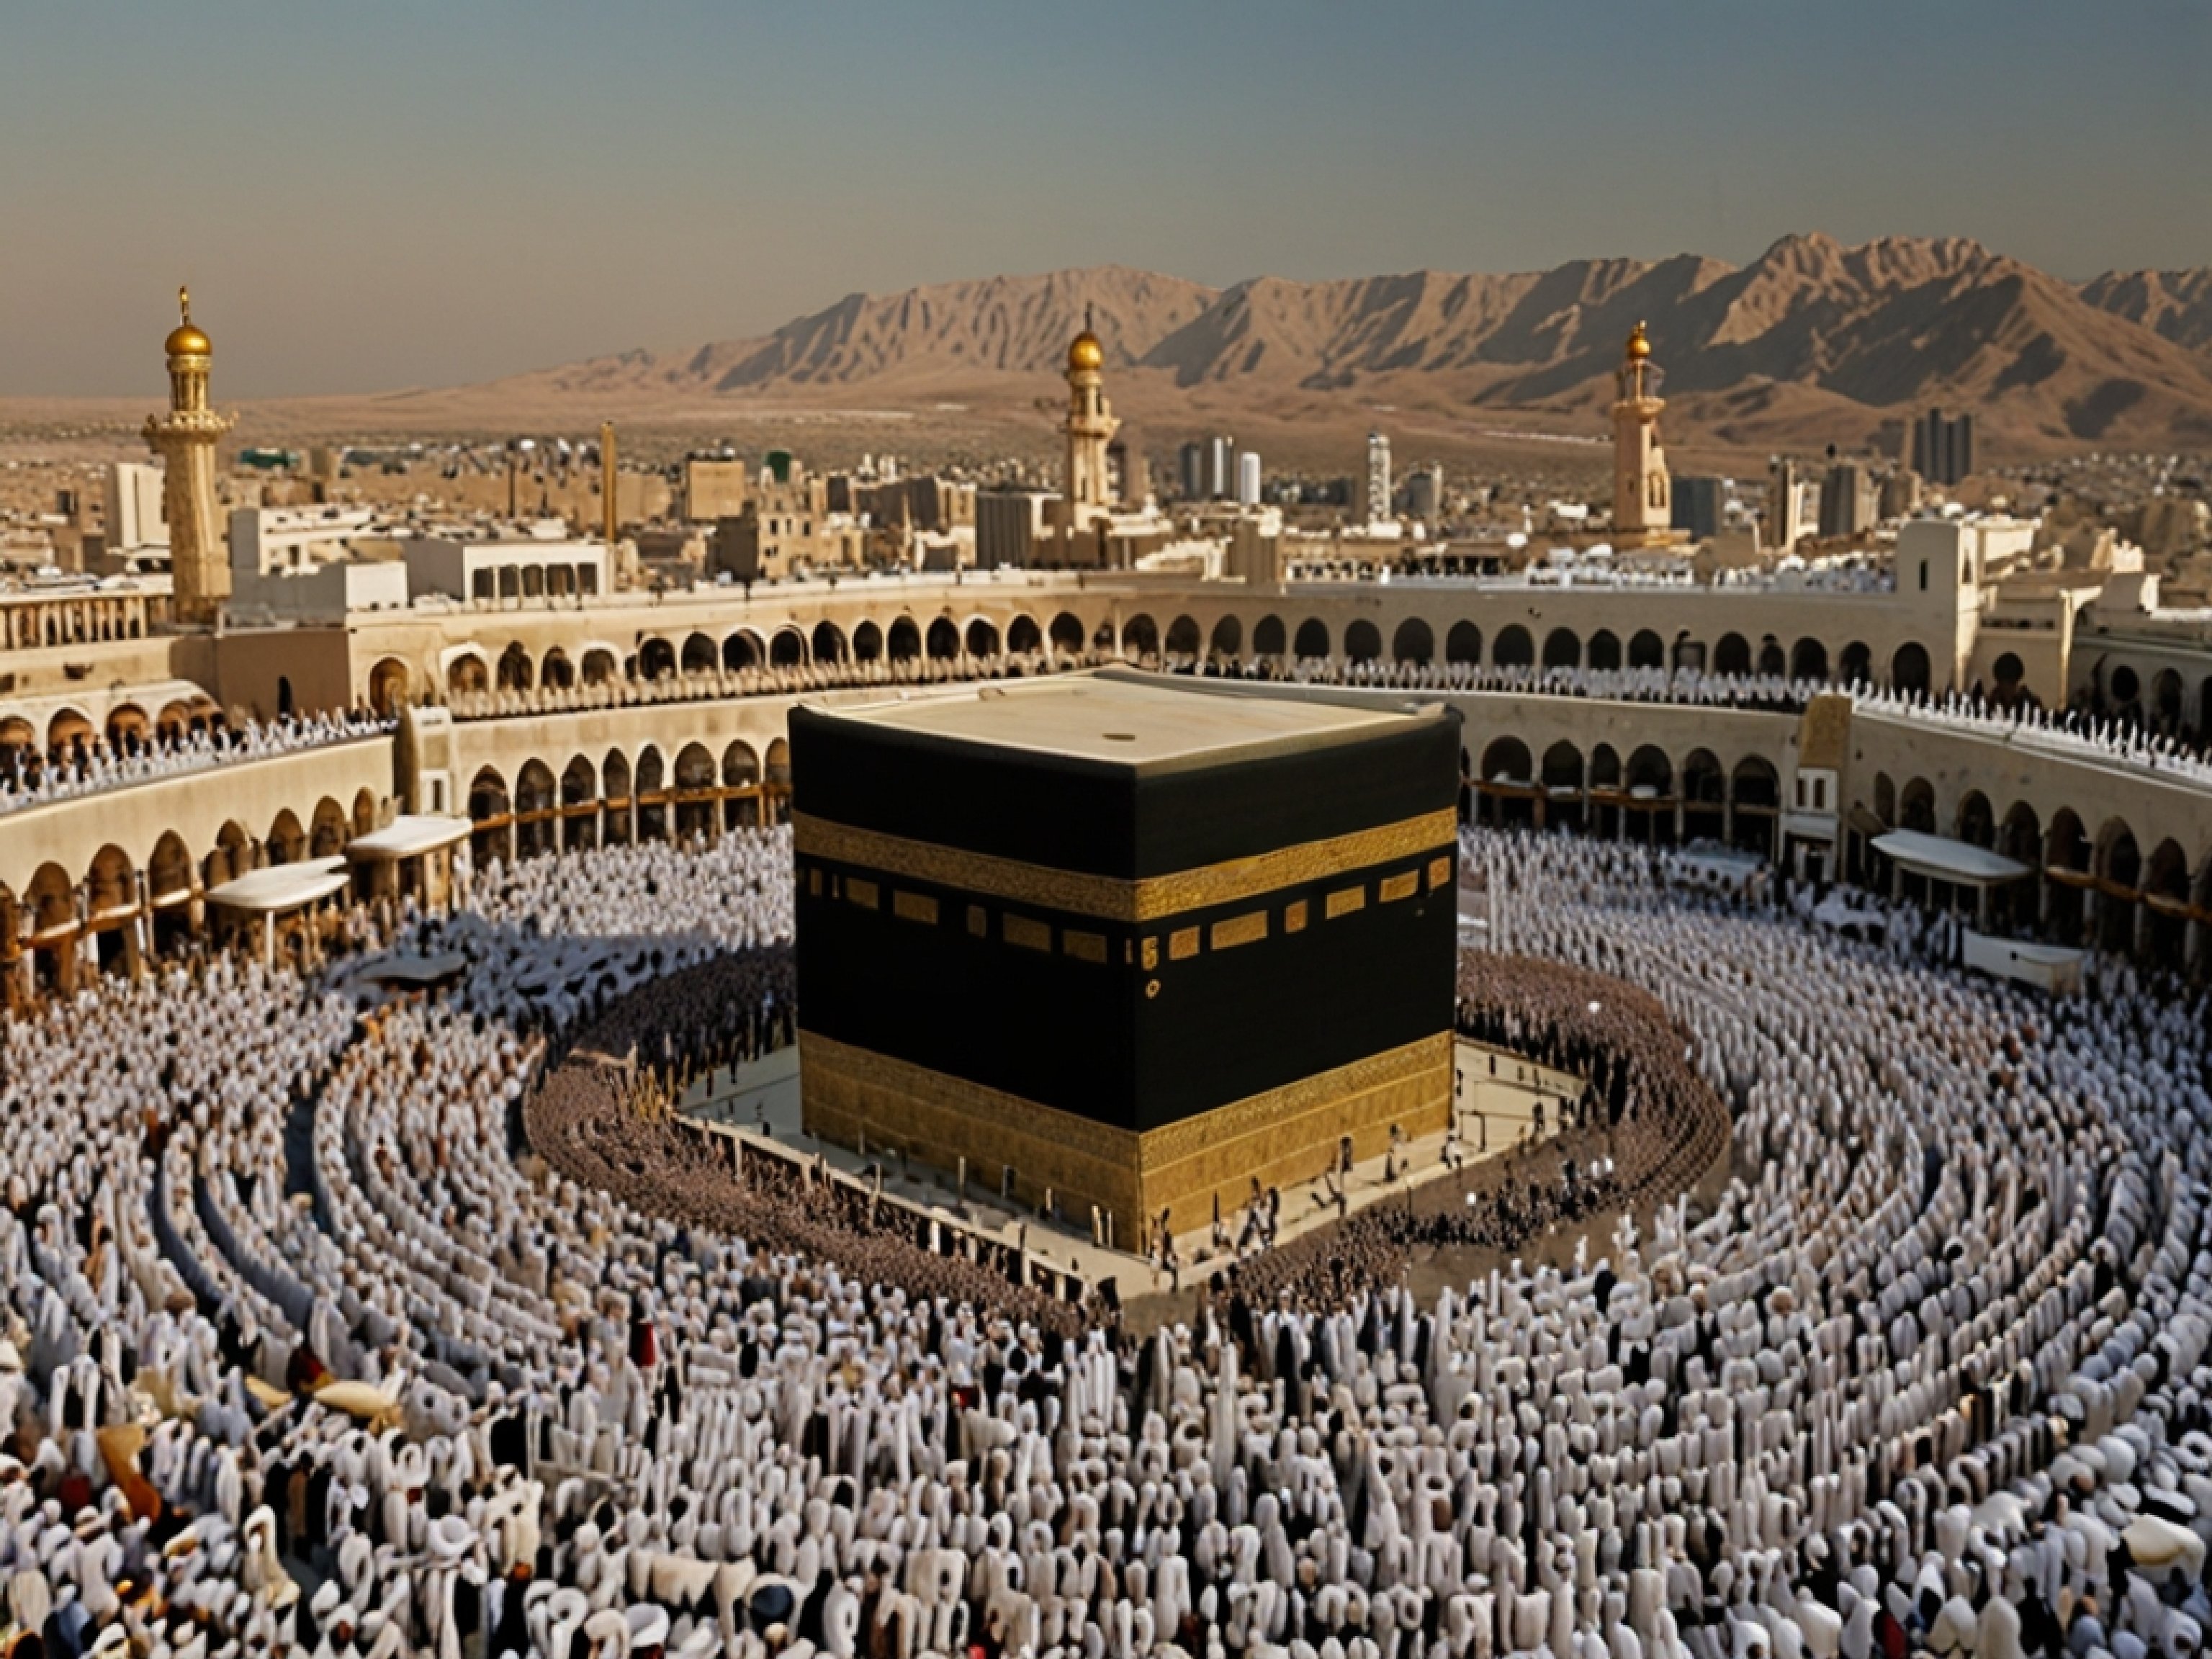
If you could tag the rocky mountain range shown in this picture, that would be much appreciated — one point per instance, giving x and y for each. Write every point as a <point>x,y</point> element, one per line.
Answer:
<point>1813,342</point>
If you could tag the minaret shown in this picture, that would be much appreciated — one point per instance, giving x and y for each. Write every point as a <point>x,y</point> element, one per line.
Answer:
<point>1643,494</point>
<point>1090,426</point>
<point>184,438</point>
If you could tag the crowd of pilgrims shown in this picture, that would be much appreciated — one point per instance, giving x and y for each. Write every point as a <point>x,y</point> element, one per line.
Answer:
<point>88,765</point>
<point>2120,737</point>
<point>769,680</point>
<point>307,1354</point>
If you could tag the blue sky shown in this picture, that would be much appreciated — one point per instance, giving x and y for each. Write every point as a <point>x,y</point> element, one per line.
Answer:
<point>399,194</point>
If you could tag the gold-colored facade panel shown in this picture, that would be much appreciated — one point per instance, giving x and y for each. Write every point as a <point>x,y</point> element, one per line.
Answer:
<point>1084,947</point>
<point>1027,932</point>
<point>1294,917</point>
<point>1239,930</point>
<point>1401,886</point>
<point>979,921</point>
<point>914,907</point>
<point>1345,901</point>
<point>862,893</point>
<point>1182,943</point>
<point>1439,873</point>
<point>1112,898</point>
<point>1282,1135</point>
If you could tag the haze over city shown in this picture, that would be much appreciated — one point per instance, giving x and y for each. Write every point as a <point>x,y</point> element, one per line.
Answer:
<point>420,195</point>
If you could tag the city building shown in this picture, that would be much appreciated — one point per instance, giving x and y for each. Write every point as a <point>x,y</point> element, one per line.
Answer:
<point>1700,508</point>
<point>1374,504</point>
<point>715,488</point>
<point>1943,447</point>
<point>133,505</point>
<point>1191,470</point>
<point>1248,478</point>
<point>1850,501</point>
<point>1424,494</point>
<point>786,527</point>
<point>1011,526</point>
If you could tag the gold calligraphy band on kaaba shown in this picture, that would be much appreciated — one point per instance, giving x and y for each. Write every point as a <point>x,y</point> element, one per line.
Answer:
<point>1112,898</point>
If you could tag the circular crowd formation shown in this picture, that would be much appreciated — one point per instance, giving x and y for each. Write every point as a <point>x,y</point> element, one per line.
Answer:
<point>347,1322</point>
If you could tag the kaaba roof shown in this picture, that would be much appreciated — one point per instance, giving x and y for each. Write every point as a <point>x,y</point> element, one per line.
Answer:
<point>1146,727</point>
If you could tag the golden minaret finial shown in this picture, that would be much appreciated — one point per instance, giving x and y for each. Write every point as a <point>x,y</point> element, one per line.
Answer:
<point>184,303</point>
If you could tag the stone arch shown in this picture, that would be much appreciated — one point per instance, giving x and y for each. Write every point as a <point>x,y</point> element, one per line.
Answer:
<point>1705,784</point>
<point>1228,639</point>
<point>1909,669</point>
<point>1732,654</point>
<point>2164,939</point>
<point>111,885</point>
<point>1513,649</point>
<point>1755,804</point>
<point>580,791</point>
<point>2166,696</point>
<point>516,671</point>
<point>695,777</point>
<point>231,856</point>
<point>537,796</point>
<point>68,730</point>
<point>1976,820</point>
<point>1363,641</point>
<point>51,899</point>
<point>651,784</point>
<point>618,802</point>
<point>555,672</point>
<point>1506,760</point>
<point>1270,638</point>
<point>468,674</point>
<point>1463,643</point>
<point>1141,637</point>
<point>779,780</point>
<point>656,659</point>
<point>740,650</point>
<point>700,654</point>
<point>867,643</point>
<point>2119,873</point>
<point>1855,666</point>
<point>1605,766</point>
<point>1414,641</point>
<point>1646,649</point>
<point>827,643</point>
<point>1884,800</point>
<point>1067,634</point>
<point>1773,660</point>
<point>1183,637</point>
<point>533,581</point>
<point>1605,651</point>
<point>169,871</point>
<point>1563,767</point>
<point>1689,655</point>
<point>740,770</point>
<point>943,640</point>
<point>786,648</point>
<point>329,830</point>
<point>905,639</point>
<point>1023,637</point>
<point>286,843</point>
<point>126,724</point>
<point>1312,640</point>
<point>489,801</point>
<point>982,637</point>
<point>1648,768</point>
<point>364,812</point>
<point>1915,808</point>
<point>1808,659</point>
<point>1563,648</point>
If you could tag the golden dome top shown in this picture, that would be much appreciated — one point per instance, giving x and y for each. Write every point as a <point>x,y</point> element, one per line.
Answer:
<point>185,340</point>
<point>1086,352</point>
<point>1639,345</point>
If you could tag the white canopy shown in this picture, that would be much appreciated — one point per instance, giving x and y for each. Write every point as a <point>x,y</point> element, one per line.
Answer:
<point>282,887</point>
<point>1945,859</point>
<point>409,835</point>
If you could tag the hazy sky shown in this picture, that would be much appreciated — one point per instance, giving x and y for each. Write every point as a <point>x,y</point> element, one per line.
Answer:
<point>395,192</point>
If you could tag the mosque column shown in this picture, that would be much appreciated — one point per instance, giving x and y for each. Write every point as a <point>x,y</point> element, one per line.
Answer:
<point>138,940</point>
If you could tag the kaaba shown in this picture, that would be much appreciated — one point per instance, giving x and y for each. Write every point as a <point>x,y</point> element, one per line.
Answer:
<point>1122,942</point>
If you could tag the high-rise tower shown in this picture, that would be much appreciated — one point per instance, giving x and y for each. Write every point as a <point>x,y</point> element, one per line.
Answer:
<point>1090,426</point>
<point>1643,494</point>
<point>185,438</point>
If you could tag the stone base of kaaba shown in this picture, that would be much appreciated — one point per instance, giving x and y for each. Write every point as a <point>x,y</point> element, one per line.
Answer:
<point>858,1098</point>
